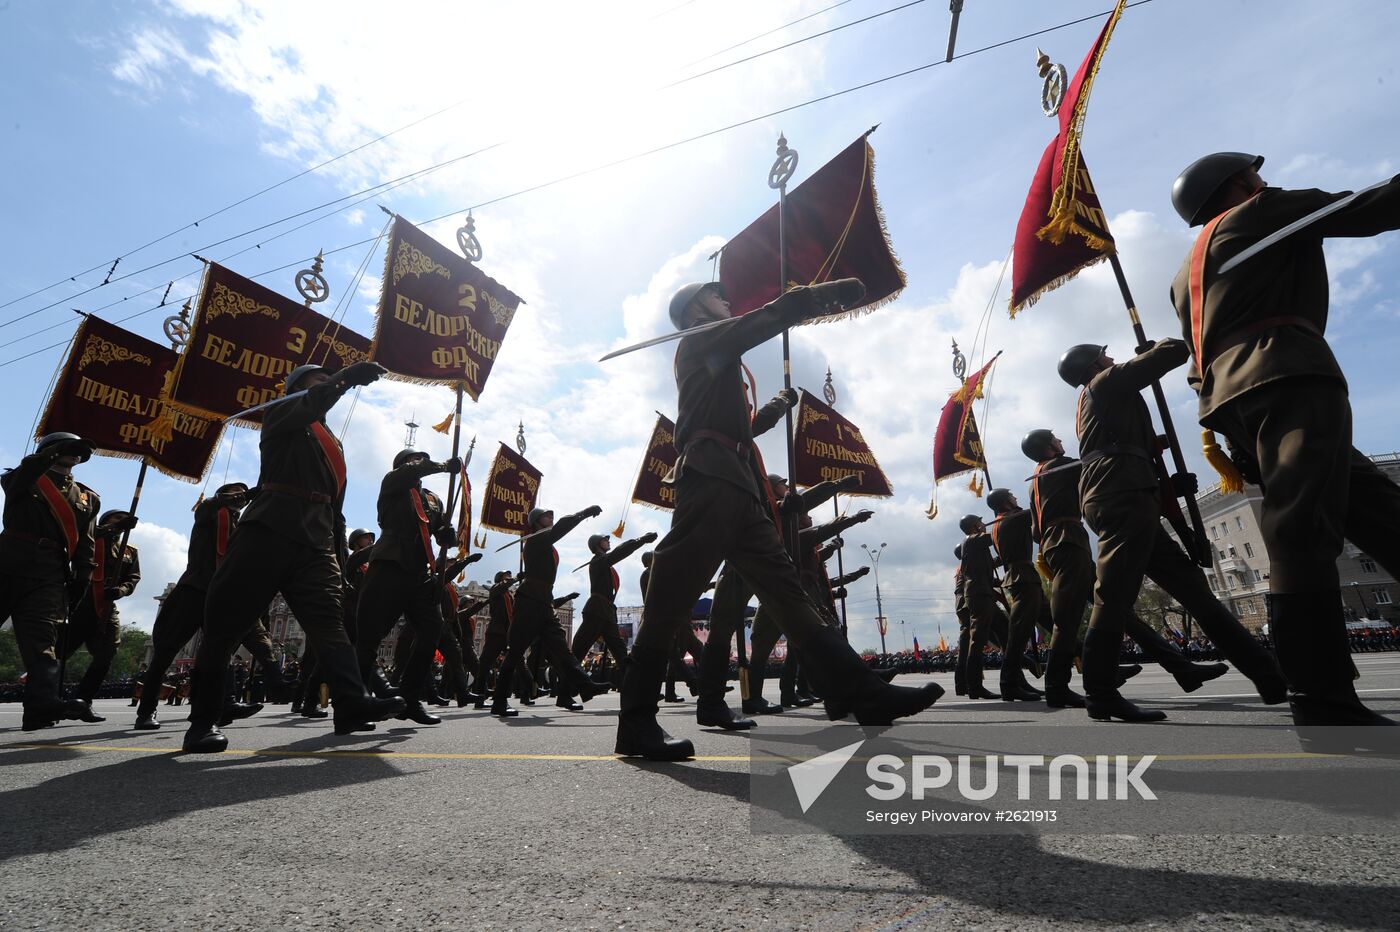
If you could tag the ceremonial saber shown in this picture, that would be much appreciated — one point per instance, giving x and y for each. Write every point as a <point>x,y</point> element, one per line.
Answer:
<point>521,540</point>
<point>667,338</point>
<point>1279,235</point>
<point>267,404</point>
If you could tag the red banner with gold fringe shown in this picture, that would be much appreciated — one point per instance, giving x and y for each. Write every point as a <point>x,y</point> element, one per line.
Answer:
<point>441,319</point>
<point>511,491</point>
<point>834,229</point>
<point>109,391</point>
<point>245,339</point>
<point>829,446</point>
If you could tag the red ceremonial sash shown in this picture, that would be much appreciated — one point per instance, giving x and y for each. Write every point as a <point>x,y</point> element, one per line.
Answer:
<point>616,580</point>
<point>62,511</point>
<point>1196,280</point>
<point>453,597</point>
<point>99,573</point>
<point>221,537</point>
<point>335,459</point>
<point>417,498</point>
<point>510,607</point>
<point>556,556</point>
<point>1035,499</point>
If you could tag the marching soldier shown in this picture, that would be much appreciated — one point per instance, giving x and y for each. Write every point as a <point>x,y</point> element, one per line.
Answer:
<point>46,562</point>
<point>290,539</point>
<point>1064,544</point>
<point>721,514</point>
<point>1268,381</point>
<point>534,617</point>
<point>964,626</point>
<point>403,578</point>
<point>985,617</point>
<point>600,611</point>
<point>1121,500</point>
<point>1011,536</point>
<point>95,622</point>
<point>500,607</point>
<point>308,700</point>
<point>181,613</point>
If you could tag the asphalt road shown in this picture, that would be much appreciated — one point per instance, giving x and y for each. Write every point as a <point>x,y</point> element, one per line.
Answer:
<point>533,824</point>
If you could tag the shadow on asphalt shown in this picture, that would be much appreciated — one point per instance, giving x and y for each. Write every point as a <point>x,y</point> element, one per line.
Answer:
<point>132,793</point>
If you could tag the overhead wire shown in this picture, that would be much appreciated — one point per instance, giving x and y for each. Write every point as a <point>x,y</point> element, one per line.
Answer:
<point>645,153</point>
<point>371,142</point>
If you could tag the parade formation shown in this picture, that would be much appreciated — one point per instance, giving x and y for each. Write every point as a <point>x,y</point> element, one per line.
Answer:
<point>1059,560</point>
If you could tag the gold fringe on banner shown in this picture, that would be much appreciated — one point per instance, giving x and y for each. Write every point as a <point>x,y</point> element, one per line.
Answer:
<point>445,426</point>
<point>162,426</point>
<point>1230,478</point>
<point>1043,568</point>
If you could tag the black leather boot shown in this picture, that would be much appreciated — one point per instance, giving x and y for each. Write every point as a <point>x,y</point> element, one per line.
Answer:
<point>1103,701</point>
<point>972,677</point>
<point>1192,677</point>
<point>638,732</point>
<point>146,721</point>
<point>89,715</point>
<point>42,704</point>
<point>207,699</point>
<point>850,687</point>
<point>568,703</point>
<point>414,711</point>
<point>375,682</point>
<point>1310,639</point>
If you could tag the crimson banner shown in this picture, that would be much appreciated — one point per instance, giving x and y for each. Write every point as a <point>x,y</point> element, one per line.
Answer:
<point>957,447</point>
<point>511,491</point>
<point>829,446</point>
<point>441,319</point>
<point>245,339</point>
<point>660,459</point>
<point>1062,199</point>
<point>464,515</point>
<point>109,392</point>
<point>834,229</point>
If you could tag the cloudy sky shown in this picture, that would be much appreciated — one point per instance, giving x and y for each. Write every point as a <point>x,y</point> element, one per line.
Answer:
<point>125,124</point>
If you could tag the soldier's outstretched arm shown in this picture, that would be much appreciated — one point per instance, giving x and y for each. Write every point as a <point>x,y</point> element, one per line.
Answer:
<point>788,310</point>
<point>623,551</point>
<point>768,416</point>
<point>1146,367</point>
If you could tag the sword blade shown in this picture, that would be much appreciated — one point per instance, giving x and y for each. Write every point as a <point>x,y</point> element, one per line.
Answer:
<point>667,338</point>
<point>267,404</point>
<point>1279,235</point>
<point>521,540</point>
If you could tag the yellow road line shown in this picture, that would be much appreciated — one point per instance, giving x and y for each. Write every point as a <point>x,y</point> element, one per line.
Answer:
<point>391,755</point>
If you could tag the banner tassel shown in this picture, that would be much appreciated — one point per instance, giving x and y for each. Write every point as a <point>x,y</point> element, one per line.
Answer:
<point>617,531</point>
<point>445,425</point>
<point>1043,568</point>
<point>1230,478</point>
<point>162,426</point>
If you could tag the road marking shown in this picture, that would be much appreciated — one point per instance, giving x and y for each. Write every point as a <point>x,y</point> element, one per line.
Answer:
<point>390,755</point>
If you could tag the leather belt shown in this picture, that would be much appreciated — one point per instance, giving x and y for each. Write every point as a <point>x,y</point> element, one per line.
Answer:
<point>319,498</point>
<point>1057,522</point>
<point>35,539</point>
<point>1114,449</point>
<point>742,449</point>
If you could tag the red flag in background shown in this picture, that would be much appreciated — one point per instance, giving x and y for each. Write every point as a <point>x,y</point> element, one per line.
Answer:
<point>834,229</point>
<point>464,516</point>
<point>957,446</point>
<point>1062,199</point>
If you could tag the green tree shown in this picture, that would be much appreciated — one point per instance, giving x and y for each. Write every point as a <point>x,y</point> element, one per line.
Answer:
<point>130,655</point>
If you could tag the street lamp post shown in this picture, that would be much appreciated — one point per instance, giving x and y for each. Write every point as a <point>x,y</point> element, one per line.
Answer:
<point>879,605</point>
<point>905,632</point>
<point>1361,599</point>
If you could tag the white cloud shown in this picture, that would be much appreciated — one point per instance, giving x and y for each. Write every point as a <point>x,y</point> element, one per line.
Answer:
<point>163,554</point>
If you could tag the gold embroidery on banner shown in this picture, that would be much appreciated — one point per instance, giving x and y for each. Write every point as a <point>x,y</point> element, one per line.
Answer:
<point>347,353</point>
<point>100,350</point>
<point>410,260</point>
<point>226,301</point>
<point>811,416</point>
<point>499,311</point>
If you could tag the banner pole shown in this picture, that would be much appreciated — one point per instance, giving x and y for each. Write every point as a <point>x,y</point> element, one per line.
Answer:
<point>829,393</point>
<point>778,176</point>
<point>449,510</point>
<point>1201,548</point>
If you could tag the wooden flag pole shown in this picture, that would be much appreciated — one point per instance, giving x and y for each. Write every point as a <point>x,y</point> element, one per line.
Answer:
<point>829,393</point>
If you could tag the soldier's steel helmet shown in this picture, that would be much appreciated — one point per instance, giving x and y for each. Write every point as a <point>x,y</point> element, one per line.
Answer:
<point>595,542</point>
<point>688,293</point>
<point>403,456</point>
<point>969,523</point>
<point>112,513</point>
<point>1036,443</point>
<point>357,534</point>
<point>1074,364</point>
<point>63,436</point>
<point>535,515</point>
<point>998,499</point>
<point>300,372</point>
<point>1196,185</point>
<point>232,488</point>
